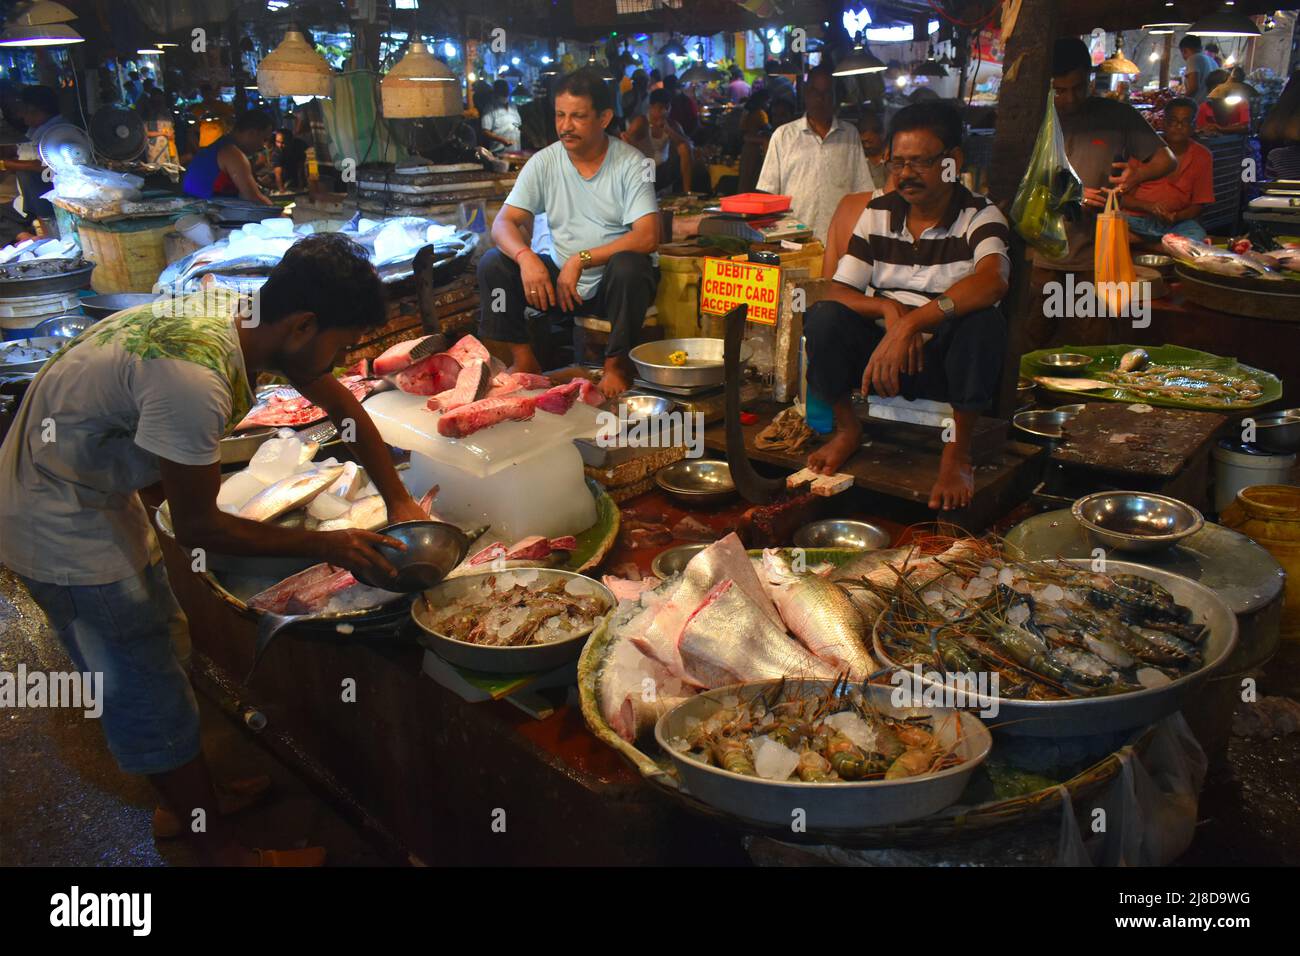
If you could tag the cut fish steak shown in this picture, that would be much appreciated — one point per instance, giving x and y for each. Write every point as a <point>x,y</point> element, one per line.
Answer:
<point>470,349</point>
<point>471,385</point>
<point>289,493</point>
<point>397,357</point>
<point>305,592</point>
<point>429,376</point>
<point>531,548</point>
<point>728,640</point>
<point>468,419</point>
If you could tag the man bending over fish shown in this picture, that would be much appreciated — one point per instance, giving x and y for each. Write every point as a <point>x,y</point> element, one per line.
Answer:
<point>598,194</point>
<point>147,394</point>
<point>912,309</point>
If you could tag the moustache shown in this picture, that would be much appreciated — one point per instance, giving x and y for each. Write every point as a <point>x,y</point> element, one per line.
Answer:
<point>911,184</point>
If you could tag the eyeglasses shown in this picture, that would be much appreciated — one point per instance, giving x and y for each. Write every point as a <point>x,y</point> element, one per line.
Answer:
<point>920,163</point>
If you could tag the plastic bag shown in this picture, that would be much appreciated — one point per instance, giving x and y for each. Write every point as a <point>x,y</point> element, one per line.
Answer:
<point>1112,259</point>
<point>1050,192</point>
<point>91,182</point>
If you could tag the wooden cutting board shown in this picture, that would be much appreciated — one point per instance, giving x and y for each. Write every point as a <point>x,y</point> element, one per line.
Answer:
<point>1158,443</point>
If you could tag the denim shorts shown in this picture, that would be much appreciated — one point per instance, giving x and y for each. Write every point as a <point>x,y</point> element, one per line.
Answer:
<point>133,632</point>
<point>1149,227</point>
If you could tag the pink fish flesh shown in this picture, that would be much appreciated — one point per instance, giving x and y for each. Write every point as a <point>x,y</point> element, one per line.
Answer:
<point>468,419</point>
<point>396,358</point>
<point>471,385</point>
<point>589,393</point>
<point>624,589</point>
<point>470,349</point>
<point>305,592</point>
<point>515,381</point>
<point>429,376</point>
<point>559,399</point>
<point>527,549</point>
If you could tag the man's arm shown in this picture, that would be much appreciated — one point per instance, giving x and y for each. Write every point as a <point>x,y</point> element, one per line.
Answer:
<point>643,238</point>
<point>343,408</point>
<point>235,164</point>
<point>1191,81</point>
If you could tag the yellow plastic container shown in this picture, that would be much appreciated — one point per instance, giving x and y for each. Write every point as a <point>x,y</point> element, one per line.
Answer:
<point>1270,515</point>
<point>678,296</point>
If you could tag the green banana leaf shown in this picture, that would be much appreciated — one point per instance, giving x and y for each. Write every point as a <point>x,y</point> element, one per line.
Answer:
<point>1106,359</point>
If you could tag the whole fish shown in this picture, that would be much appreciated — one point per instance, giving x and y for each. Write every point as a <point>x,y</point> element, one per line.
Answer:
<point>289,493</point>
<point>821,615</point>
<point>1220,261</point>
<point>1133,360</point>
<point>728,640</point>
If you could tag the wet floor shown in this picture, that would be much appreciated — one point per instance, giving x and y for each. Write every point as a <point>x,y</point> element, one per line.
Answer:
<point>64,802</point>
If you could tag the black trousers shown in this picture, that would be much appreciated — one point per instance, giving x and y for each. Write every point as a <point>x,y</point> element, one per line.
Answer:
<point>626,290</point>
<point>963,360</point>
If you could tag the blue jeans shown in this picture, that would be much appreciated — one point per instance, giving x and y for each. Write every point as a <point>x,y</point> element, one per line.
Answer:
<point>1149,227</point>
<point>133,632</point>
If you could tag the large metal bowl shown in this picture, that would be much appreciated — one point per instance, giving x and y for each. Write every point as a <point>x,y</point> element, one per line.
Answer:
<point>1102,715</point>
<point>1278,431</point>
<point>703,362</point>
<point>635,406</point>
<point>433,548</point>
<point>841,805</point>
<point>842,533</point>
<point>102,306</point>
<point>528,659</point>
<point>10,351</point>
<point>674,560</point>
<point>1065,363</point>
<point>1042,425</point>
<point>1136,521</point>
<point>699,482</point>
<point>62,326</point>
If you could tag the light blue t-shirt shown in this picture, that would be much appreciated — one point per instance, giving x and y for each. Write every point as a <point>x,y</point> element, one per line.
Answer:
<point>1202,64</point>
<point>585,213</point>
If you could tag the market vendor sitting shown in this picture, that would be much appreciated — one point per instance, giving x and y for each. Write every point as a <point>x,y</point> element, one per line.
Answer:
<point>598,196</point>
<point>913,306</point>
<point>147,396</point>
<point>1223,115</point>
<point>659,138</point>
<point>1172,203</point>
<point>223,168</point>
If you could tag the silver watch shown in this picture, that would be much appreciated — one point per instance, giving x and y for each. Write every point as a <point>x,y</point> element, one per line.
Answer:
<point>946,306</point>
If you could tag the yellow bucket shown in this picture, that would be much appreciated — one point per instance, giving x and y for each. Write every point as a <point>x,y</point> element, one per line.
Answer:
<point>1270,515</point>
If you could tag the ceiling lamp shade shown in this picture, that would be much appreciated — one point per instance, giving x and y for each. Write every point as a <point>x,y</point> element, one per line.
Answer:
<point>1225,23</point>
<point>294,68</point>
<point>929,66</point>
<point>420,85</point>
<point>672,48</point>
<point>1118,63</point>
<point>1170,24</point>
<point>859,61</point>
<point>54,34</point>
<point>41,13</point>
<point>1232,92</point>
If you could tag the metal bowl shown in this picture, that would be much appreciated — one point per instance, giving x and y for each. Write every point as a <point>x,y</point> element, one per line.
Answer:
<point>1086,716</point>
<point>703,362</point>
<point>528,659</point>
<point>840,805</point>
<point>1070,409</point>
<point>1065,363</point>
<point>674,560</point>
<point>840,533</point>
<point>1136,521</point>
<point>433,548</point>
<point>1024,390</point>
<point>1278,431</point>
<point>10,353</point>
<point>634,406</point>
<point>1162,264</point>
<point>62,327</point>
<point>698,482</point>
<point>102,306</point>
<point>1042,425</point>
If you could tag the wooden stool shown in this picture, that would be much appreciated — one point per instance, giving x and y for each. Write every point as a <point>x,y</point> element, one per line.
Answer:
<point>591,334</point>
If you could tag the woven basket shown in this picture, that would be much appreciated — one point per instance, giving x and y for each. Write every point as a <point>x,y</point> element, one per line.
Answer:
<point>129,254</point>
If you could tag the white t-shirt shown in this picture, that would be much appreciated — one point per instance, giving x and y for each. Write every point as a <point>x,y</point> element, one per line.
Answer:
<point>127,391</point>
<point>504,121</point>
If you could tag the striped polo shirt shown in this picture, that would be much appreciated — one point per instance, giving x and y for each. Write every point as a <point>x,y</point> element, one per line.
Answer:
<point>883,258</point>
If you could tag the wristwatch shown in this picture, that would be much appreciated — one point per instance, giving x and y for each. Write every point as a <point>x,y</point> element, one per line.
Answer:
<point>585,256</point>
<point>946,306</point>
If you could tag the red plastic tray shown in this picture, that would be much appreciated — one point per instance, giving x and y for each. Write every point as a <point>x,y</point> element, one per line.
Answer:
<point>760,203</point>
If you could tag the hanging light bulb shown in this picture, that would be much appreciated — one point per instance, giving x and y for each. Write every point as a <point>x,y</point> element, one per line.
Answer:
<point>294,68</point>
<point>859,61</point>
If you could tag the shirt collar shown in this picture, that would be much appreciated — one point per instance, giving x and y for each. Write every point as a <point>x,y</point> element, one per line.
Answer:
<point>898,208</point>
<point>836,124</point>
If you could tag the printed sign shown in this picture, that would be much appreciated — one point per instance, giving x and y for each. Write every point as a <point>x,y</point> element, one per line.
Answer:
<point>728,282</point>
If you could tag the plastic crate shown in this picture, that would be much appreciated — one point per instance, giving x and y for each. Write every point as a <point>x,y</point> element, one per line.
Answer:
<point>755,203</point>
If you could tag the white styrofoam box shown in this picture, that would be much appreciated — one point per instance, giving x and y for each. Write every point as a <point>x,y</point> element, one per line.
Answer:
<point>920,411</point>
<point>520,478</point>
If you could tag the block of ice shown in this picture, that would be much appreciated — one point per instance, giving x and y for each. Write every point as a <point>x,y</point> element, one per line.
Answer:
<point>238,489</point>
<point>278,458</point>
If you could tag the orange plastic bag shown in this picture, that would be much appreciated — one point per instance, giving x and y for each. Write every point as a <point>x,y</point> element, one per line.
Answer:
<point>1112,260</point>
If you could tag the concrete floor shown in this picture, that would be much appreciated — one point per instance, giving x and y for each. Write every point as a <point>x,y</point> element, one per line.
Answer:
<point>64,802</point>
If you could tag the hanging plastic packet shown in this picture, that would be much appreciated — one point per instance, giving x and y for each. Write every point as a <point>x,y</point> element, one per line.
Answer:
<point>1050,192</point>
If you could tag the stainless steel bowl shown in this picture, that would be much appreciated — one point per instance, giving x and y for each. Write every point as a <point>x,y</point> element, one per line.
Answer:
<point>1070,409</point>
<point>11,351</point>
<point>697,482</point>
<point>703,362</point>
<point>62,326</point>
<point>1278,431</point>
<point>841,533</point>
<point>1066,363</point>
<point>433,548</point>
<point>1136,521</point>
<point>1024,391</point>
<point>674,560</point>
<point>530,658</point>
<point>640,406</point>
<point>826,806</point>
<point>102,306</point>
<point>239,448</point>
<point>1162,264</point>
<point>1042,425</point>
<point>1087,716</point>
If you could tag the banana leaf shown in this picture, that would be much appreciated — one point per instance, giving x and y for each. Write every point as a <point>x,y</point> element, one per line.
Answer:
<point>1106,359</point>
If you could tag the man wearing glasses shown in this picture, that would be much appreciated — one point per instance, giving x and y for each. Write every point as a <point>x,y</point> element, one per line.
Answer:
<point>912,309</point>
<point>1173,203</point>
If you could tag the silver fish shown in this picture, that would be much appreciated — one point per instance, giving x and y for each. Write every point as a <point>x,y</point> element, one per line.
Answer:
<point>366,513</point>
<point>729,640</point>
<point>1134,360</point>
<point>289,493</point>
<point>822,616</point>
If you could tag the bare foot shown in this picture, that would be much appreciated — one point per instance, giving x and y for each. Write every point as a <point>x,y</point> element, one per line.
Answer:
<point>617,377</point>
<point>839,448</point>
<point>524,359</point>
<point>955,485</point>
